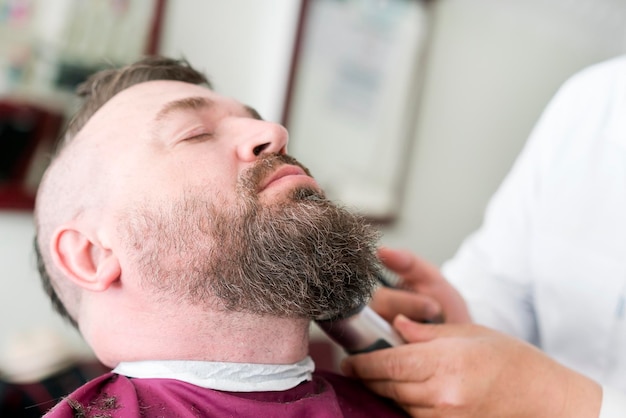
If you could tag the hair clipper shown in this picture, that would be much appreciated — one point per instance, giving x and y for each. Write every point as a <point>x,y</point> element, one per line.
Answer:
<point>361,331</point>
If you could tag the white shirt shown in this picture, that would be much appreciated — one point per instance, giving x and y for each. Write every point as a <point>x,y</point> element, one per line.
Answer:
<point>549,262</point>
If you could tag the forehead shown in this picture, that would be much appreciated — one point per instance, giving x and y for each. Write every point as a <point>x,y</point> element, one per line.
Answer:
<point>137,107</point>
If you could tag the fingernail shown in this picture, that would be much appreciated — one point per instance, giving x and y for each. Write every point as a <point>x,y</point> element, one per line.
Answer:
<point>401,319</point>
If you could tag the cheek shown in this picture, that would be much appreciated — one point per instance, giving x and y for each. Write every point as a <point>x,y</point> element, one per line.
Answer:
<point>202,169</point>
<point>209,184</point>
<point>201,165</point>
<point>206,176</point>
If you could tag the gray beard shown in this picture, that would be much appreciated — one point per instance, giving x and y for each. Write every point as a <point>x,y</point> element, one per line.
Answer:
<point>301,257</point>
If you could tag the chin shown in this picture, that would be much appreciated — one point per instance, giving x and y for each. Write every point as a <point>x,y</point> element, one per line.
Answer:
<point>297,194</point>
<point>307,193</point>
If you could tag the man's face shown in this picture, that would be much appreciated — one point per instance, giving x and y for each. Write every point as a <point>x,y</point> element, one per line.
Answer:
<point>160,137</point>
<point>207,207</point>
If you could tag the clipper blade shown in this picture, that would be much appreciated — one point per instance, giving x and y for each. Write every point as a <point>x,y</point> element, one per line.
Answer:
<point>362,330</point>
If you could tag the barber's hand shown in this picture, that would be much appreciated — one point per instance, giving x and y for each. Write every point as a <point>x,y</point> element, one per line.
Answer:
<point>451,370</point>
<point>430,297</point>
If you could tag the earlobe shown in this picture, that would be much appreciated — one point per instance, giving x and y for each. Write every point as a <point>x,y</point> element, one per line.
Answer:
<point>84,261</point>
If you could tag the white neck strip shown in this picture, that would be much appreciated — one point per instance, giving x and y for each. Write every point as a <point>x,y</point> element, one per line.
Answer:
<point>232,377</point>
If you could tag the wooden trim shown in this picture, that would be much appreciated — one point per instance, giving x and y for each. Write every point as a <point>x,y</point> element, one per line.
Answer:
<point>295,58</point>
<point>154,39</point>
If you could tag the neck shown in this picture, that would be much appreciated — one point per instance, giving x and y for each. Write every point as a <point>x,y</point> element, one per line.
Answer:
<point>191,333</point>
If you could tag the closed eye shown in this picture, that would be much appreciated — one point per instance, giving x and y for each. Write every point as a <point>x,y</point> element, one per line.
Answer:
<point>200,137</point>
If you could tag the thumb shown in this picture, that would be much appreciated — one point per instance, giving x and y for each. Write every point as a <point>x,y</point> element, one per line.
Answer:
<point>412,270</point>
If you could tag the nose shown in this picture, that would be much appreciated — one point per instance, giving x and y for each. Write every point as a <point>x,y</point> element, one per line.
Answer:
<point>262,137</point>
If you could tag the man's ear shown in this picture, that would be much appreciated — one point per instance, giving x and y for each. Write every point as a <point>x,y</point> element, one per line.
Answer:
<point>84,260</point>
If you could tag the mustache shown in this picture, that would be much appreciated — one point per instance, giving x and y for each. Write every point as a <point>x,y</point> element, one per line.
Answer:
<point>266,165</point>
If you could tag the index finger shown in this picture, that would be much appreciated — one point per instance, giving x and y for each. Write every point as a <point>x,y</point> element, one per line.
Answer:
<point>412,270</point>
<point>389,303</point>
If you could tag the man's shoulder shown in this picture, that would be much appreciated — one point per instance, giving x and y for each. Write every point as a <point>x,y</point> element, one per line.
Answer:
<point>98,397</point>
<point>114,396</point>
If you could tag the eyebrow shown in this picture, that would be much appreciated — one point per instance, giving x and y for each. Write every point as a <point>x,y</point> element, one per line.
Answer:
<point>195,103</point>
<point>188,103</point>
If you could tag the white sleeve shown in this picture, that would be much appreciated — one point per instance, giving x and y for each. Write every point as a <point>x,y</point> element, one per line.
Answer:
<point>492,267</point>
<point>613,403</point>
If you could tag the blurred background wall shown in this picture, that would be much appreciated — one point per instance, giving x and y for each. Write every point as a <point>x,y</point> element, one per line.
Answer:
<point>490,68</point>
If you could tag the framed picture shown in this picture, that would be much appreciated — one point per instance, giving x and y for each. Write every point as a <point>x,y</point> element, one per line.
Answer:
<point>353,97</point>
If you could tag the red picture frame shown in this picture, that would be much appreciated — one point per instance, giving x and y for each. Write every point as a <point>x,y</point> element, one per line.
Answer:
<point>26,131</point>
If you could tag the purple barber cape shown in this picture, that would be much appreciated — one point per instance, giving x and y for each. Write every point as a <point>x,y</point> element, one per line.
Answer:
<point>326,395</point>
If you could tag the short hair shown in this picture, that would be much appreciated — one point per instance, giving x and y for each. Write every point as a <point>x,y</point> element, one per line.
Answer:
<point>97,90</point>
<point>103,85</point>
